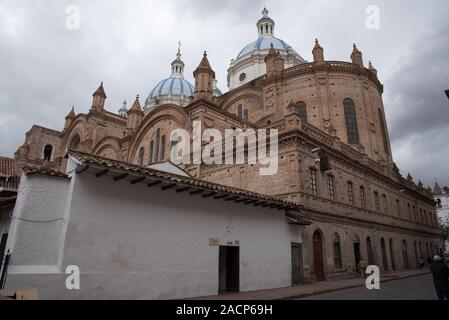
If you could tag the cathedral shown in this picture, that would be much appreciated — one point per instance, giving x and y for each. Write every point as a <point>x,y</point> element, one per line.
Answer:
<point>336,166</point>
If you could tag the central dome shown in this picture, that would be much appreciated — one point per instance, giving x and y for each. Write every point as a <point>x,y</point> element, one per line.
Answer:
<point>264,44</point>
<point>250,63</point>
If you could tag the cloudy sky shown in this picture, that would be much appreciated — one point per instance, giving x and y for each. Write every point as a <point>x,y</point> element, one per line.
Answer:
<point>45,67</point>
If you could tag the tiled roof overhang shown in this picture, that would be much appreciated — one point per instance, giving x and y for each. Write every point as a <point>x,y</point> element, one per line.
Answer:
<point>100,166</point>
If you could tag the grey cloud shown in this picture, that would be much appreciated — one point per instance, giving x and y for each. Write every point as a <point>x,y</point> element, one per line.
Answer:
<point>45,69</point>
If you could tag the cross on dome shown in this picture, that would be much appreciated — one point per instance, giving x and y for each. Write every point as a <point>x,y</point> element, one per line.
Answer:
<point>177,66</point>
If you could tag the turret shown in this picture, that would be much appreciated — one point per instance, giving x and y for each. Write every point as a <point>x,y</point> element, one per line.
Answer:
<point>372,69</point>
<point>135,115</point>
<point>356,56</point>
<point>274,62</point>
<point>99,98</point>
<point>318,53</point>
<point>69,118</point>
<point>204,79</point>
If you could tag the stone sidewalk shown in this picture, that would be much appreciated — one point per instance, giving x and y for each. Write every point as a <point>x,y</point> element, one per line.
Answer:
<point>309,289</point>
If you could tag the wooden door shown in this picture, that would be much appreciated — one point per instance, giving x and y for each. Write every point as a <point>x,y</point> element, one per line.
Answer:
<point>296,264</point>
<point>229,269</point>
<point>318,263</point>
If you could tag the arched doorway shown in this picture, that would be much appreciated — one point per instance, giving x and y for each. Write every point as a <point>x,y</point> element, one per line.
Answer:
<point>357,254</point>
<point>384,254</point>
<point>393,261</point>
<point>416,253</point>
<point>369,250</point>
<point>318,264</point>
<point>405,255</point>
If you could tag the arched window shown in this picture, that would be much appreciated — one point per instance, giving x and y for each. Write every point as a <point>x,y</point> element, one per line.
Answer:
<point>351,122</point>
<point>393,261</point>
<point>350,193</point>
<point>75,143</point>
<point>240,111</point>
<point>405,254</point>
<point>385,203</point>
<point>48,150</point>
<point>151,150</point>
<point>362,197</point>
<point>156,151</point>
<point>301,110</point>
<point>162,148</point>
<point>384,131</point>
<point>141,155</point>
<point>245,114</point>
<point>337,252</point>
<point>331,187</point>
<point>376,201</point>
<point>313,181</point>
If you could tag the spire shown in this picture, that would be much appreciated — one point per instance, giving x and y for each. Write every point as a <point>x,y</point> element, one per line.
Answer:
<point>99,97</point>
<point>123,111</point>
<point>71,114</point>
<point>265,25</point>
<point>100,91</point>
<point>177,66</point>
<point>135,115</point>
<point>69,118</point>
<point>136,105</point>
<point>204,77</point>
<point>318,52</point>
<point>204,64</point>
<point>272,52</point>
<point>356,56</point>
<point>274,62</point>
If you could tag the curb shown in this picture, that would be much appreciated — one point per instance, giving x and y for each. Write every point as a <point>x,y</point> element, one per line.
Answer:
<point>393,278</point>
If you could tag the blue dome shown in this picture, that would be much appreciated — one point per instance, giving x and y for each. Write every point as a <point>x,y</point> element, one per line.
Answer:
<point>264,44</point>
<point>172,86</point>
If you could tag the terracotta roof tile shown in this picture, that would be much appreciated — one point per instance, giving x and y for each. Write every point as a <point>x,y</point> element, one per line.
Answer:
<point>7,167</point>
<point>29,171</point>
<point>89,160</point>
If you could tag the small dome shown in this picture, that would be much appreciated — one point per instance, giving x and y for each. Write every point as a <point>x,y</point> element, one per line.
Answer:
<point>174,89</point>
<point>172,86</point>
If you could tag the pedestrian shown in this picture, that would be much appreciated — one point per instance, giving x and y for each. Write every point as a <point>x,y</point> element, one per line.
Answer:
<point>440,273</point>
